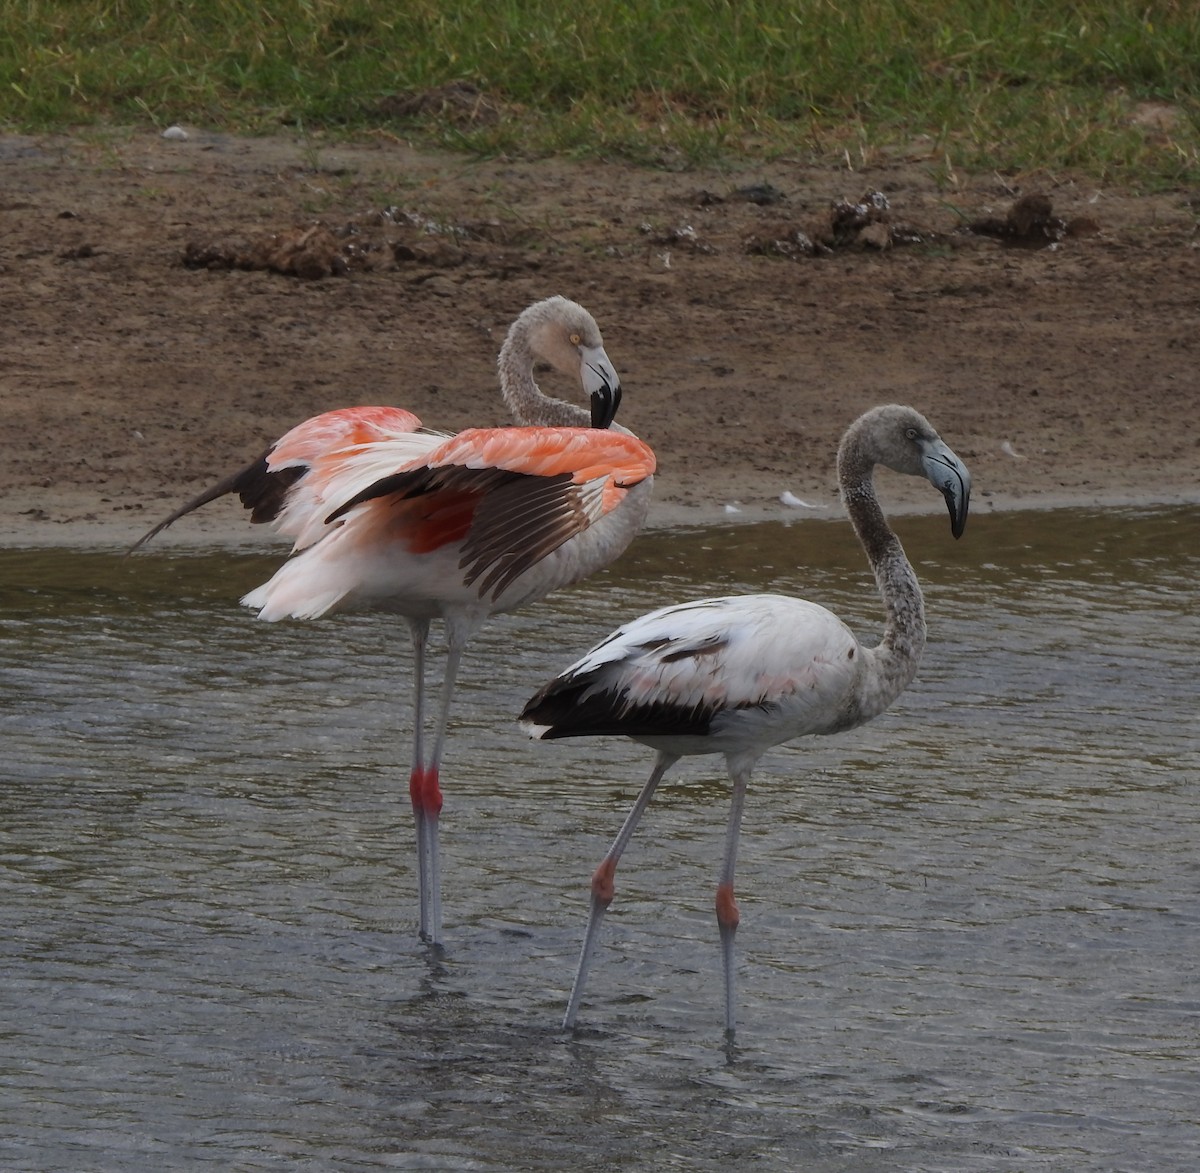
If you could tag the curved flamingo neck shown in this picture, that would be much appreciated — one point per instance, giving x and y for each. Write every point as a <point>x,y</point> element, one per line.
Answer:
<point>529,404</point>
<point>894,662</point>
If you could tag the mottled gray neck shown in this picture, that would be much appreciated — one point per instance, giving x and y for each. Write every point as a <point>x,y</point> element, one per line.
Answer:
<point>530,406</point>
<point>894,662</point>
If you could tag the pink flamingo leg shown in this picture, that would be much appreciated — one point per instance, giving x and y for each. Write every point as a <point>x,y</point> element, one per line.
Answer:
<point>417,782</point>
<point>603,885</point>
<point>727,909</point>
<point>432,794</point>
<point>427,806</point>
<point>423,783</point>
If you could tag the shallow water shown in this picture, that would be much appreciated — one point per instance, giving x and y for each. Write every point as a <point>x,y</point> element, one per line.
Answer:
<point>969,930</point>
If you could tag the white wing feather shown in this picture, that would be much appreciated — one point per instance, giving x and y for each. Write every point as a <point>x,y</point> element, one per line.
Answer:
<point>727,654</point>
<point>339,476</point>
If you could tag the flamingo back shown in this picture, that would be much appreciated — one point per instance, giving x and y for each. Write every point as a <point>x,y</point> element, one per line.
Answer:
<point>345,427</point>
<point>711,676</point>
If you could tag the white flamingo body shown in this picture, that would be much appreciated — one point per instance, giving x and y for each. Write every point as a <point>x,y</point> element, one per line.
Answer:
<point>739,674</point>
<point>390,516</point>
<point>727,675</point>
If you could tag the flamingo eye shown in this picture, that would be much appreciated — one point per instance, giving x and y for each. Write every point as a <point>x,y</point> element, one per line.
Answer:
<point>911,433</point>
<point>576,339</point>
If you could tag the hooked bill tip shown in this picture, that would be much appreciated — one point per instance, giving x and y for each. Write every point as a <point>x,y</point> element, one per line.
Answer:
<point>958,500</point>
<point>605,402</point>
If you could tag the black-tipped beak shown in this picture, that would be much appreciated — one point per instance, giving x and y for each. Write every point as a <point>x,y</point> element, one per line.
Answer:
<point>605,401</point>
<point>950,477</point>
<point>601,384</point>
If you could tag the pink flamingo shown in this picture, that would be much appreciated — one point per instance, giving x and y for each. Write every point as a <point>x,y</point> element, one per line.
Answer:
<point>738,675</point>
<point>388,515</point>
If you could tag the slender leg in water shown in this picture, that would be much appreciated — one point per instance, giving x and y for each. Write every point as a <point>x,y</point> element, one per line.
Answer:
<point>603,886</point>
<point>727,909</point>
<point>423,786</point>
<point>433,793</point>
<point>417,779</point>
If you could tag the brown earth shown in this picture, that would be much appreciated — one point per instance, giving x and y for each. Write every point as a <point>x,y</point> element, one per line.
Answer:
<point>168,307</point>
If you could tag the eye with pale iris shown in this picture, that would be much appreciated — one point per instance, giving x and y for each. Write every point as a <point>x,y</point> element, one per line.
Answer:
<point>911,433</point>
<point>576,339</point>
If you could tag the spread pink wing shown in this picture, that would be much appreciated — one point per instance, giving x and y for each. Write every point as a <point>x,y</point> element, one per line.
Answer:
<point>338,455</point>
<point>512,496</point>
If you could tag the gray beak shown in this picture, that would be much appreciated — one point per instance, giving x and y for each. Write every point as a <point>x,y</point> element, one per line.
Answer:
<point>949,476</point>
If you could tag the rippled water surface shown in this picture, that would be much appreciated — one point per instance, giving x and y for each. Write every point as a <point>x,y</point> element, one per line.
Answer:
<point>970,930</point>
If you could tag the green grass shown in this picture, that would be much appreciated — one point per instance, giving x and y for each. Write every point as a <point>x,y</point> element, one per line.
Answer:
<point>1012,85</point>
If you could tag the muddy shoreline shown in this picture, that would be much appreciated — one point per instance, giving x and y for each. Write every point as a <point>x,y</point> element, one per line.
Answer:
<point>132,376</point>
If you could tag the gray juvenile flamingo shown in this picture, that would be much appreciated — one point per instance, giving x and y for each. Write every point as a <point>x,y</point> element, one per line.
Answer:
<point>738,675</point>
<point>388,515</point>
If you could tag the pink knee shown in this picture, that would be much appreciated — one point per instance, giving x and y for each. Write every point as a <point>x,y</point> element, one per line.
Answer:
<point>604,881</point>
<point>727,909</point>
<point>424,791</point>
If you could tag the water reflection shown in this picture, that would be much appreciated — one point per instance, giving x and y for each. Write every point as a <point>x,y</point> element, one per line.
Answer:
<point>966,927</point>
